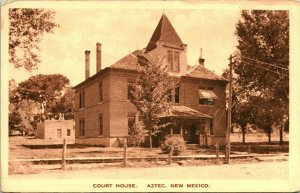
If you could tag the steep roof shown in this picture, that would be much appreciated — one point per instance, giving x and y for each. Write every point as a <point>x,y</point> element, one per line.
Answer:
<point>164,31</point>
<point>199,71</point>
<point>128,62</point>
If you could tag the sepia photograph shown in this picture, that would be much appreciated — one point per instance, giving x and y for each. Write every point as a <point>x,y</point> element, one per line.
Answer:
<point>108,96</point>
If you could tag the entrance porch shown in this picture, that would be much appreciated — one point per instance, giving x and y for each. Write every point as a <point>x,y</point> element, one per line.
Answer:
<point>193,126</point>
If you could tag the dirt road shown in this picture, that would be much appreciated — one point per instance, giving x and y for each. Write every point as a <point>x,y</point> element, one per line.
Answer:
<point>261,170</point>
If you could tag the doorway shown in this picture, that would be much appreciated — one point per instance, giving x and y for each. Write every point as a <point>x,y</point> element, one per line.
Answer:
<point>190,135</point>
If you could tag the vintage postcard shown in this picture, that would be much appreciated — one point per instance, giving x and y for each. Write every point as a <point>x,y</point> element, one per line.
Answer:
<point>142,96</point>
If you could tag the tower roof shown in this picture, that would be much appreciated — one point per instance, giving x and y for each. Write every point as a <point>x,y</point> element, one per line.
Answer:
<point>165,32</point>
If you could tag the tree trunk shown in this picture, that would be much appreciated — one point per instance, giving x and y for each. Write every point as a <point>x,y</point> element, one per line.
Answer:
<point>281,135</point>
<point>244,135</point>
<point>150,140</point>
<point>269,136</point>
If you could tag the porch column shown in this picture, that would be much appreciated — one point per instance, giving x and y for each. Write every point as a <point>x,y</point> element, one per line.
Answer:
<point>181,130</point>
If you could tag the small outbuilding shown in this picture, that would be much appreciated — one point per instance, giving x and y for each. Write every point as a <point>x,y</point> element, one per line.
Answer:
<point>56,129</point>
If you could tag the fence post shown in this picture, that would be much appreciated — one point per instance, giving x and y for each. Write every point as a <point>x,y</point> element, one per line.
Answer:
<point>217,152</point>
<point>64,154</point>
<point>125,152</point>
<point>249,149</point>
<point>227,154</point>
<point>170,156</point>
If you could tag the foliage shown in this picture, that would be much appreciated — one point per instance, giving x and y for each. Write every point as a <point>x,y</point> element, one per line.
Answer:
<point>176,144</point>
<point>65,104</point>
<point>41,95</point>
<point>43,89</point>
<point>136,135</point>
<point>14,120</point>
<point>261,92</point>
<point>26,28</point>
<point>151,91</point>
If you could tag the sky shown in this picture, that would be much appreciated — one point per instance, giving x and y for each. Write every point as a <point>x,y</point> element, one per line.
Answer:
<point>121,31</point>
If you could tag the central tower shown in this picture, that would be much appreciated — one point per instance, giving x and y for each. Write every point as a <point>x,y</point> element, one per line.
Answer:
<point>166,43</point>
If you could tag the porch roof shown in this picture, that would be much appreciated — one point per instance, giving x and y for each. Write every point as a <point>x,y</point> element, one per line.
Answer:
<point>184,112</point>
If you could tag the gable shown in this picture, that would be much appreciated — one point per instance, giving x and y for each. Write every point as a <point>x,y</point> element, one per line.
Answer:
<point>199,71</point>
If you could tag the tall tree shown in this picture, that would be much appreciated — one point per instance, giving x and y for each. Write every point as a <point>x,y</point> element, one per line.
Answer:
<point>65,104</point>
<point>27,26</point>
<point>262,65</point>
<point>41,89</point>
<point>151,91</point>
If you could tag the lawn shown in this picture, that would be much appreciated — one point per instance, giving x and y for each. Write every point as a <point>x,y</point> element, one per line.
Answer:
<point>29,148</point>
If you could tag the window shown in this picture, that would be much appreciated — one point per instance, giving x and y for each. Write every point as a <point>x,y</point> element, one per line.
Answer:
<point>59,133</point>
<point>100,92</point>
<point>177,94</point>
<point>130,89</point>
<point>131,122</point>
<point>173,61</point>
<point>169,96</point>
<point>81,127</point>
<point>207,96</point>
<point>68,132</point>
<point>81,99</point>
<point>211,127</point>
<point>100,124</point>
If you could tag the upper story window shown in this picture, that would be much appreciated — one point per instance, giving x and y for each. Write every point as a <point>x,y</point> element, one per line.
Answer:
<point>177,94</point>
<point>173,61</point>
<point>81,127</point>
<point>100,92</point>
<point>174,95</point>
<point>81,99</point>
<point>130,89</point>
<point>207,96</point>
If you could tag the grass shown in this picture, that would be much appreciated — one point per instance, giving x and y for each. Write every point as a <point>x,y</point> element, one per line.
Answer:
<point>25,148</point>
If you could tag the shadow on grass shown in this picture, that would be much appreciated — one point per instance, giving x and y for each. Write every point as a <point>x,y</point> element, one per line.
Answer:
<point>58,146</point>
<point>261,147</point>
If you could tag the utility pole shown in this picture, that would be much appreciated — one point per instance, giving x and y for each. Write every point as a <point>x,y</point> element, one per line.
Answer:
<point>227,149</point>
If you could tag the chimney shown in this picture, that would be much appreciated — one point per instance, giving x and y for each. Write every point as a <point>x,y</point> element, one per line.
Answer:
<point>201,60</point>
<point>87,64</point>
<point>98,57</point>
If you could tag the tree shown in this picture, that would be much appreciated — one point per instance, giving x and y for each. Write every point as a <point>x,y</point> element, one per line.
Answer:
<point>151,91</point>
<point>242,112</point>
<point>262,65</point>
<point>26,28</point>
<point>136,135</point>
<point>42,89</point>
<point>65,104</point>
<point>14,120</point>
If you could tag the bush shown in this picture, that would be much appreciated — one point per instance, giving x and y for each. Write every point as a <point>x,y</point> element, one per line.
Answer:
<point>136,136</point>
<point>175,143</point>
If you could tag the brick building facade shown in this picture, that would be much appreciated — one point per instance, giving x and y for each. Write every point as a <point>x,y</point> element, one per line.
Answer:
<point>103,111</point>
<point>56,130</point>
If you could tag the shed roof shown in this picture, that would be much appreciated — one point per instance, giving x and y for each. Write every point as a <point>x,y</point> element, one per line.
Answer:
<point>184,112</point>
